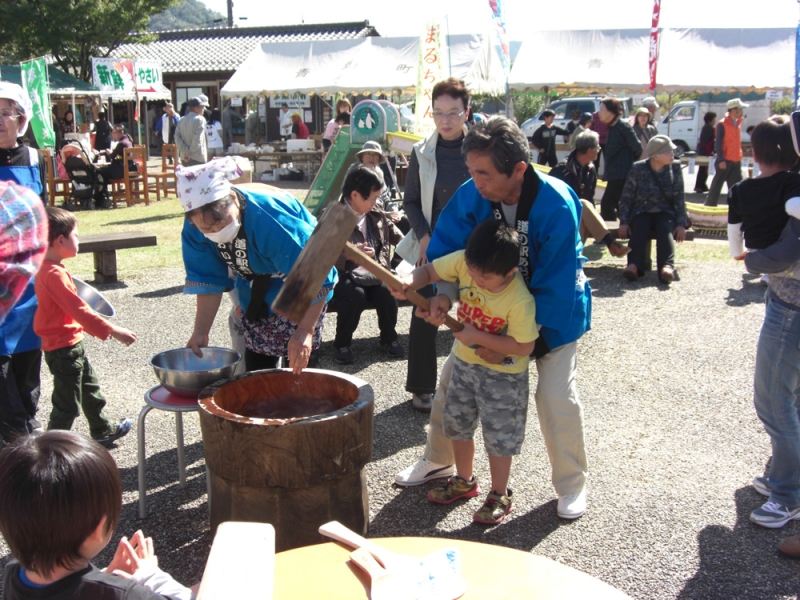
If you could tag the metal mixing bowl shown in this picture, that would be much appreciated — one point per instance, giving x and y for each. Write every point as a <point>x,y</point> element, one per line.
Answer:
<point>184,373</point>
<point>96,301</point>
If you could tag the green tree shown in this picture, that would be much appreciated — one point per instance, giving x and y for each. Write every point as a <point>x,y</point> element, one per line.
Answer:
<point>527,106</point>
<point>73,31</point>
<point>784,106</point>
<point>190,14</point>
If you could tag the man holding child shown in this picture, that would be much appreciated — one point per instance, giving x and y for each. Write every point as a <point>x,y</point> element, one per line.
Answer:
<point>545,213</point>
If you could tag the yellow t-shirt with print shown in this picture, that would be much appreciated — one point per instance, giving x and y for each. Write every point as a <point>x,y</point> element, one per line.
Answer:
<point>509,312</point>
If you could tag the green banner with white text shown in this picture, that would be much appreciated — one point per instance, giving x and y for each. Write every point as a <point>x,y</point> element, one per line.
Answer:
<point>34,82</point>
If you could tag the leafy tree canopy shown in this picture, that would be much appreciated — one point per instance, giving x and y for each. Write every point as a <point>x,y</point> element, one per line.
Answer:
<point>190,14</point>
<point>73,31</point>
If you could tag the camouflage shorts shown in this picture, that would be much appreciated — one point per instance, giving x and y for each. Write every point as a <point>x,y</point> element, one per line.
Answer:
<point>501,401</point>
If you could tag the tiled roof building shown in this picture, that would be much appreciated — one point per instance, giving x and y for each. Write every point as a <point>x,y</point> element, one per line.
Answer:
<point>223,49</point>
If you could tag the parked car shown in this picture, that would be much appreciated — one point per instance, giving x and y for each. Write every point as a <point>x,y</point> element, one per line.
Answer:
<point>566,106</point>
<point>685,120</point>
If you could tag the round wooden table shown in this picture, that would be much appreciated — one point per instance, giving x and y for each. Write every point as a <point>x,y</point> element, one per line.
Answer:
<point>496,572</point>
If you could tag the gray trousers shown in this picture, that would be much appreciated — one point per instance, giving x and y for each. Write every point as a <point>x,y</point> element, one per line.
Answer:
<point>731,174</point>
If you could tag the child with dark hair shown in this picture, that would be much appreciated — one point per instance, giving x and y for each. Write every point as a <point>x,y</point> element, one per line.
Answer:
<point>759,208</point>
<point>498,312</point>
<point>60,501</point>
<point>60,321</point>
<point>544,139</point>
<point>374,235</point>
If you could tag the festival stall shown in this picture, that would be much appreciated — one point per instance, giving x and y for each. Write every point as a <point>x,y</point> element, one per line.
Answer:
<point>689,60</point>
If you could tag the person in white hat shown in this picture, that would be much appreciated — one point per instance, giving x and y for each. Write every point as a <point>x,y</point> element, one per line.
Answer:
<point>258,236</point>
<point>20,347</point>
<point>728,150</point>
<point>651,104</point>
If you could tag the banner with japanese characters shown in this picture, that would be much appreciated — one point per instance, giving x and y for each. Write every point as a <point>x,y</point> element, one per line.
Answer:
<point>501,37</point>
<point>114,77</point>
<point>148,76</point>
<point>653,54</point>
<point>430,70</point>
<point>295,100</point>
<point>34,82</point>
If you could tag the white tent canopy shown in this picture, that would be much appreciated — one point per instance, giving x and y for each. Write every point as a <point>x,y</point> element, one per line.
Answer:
<point>689,60</point>
<point>370,64</point>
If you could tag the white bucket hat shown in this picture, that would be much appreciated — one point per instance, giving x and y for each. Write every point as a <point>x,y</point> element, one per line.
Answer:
<point>11,91</point>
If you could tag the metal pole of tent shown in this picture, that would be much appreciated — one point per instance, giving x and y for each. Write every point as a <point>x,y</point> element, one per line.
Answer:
<point>147,126</point>
<point>74,120</point>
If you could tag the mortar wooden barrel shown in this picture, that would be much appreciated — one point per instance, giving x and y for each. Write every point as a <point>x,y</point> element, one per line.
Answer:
<point>288,450</point>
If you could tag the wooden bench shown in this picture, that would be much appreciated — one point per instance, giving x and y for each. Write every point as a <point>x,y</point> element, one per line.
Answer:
<point>613,228</point>
<point>105,246</point>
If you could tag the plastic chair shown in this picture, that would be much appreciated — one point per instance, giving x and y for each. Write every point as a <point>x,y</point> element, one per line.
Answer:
<point>160,398</point>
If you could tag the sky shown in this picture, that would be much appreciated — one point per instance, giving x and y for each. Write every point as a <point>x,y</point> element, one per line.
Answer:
<point>394,18</point>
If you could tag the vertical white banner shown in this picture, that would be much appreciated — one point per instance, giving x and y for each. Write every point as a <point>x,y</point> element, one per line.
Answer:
<point>430,70</point>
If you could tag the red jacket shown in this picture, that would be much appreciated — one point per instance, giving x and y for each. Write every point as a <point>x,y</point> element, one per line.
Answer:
<point>62,316</point>
<point>300,130</point>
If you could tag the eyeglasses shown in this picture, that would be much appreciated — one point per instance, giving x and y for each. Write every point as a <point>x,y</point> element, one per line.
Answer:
<point>450,116</point>
<point>7,115</point>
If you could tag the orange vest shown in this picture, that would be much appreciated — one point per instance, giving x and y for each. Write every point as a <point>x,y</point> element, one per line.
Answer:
<point>732,141</point>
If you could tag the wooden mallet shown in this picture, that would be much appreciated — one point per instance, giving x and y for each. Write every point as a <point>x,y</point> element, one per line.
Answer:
<point>329,240</point>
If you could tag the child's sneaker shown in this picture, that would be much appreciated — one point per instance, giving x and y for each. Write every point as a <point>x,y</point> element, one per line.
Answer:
<point>122,428</point>
<point>495,509</point>
<point>455,489</point>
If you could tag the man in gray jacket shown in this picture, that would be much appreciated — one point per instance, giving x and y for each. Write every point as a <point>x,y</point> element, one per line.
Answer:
<point>190,134</point>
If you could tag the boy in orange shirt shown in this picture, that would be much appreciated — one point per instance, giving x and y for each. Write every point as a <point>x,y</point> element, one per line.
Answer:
<point>60,321</point>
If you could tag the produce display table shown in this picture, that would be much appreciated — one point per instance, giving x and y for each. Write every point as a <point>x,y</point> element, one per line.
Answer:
<point>308,162</point>
<point>325,571</point>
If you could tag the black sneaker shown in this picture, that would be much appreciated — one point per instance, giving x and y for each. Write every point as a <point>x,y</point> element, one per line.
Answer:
<point>394,349</point>
<point>122,429</point>
<point>344,356</point>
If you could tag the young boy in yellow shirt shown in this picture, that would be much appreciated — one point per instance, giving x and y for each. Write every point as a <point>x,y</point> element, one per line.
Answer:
<point>498,312</point>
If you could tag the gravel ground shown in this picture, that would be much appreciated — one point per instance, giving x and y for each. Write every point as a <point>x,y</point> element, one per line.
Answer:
<point>672,438</point>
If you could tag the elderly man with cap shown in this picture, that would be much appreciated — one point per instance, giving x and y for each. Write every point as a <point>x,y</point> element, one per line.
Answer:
<point>653,199</point>
<point>20,347</point>
<point>190,133</point>
<point>728,149</point>
<point>257,235</point>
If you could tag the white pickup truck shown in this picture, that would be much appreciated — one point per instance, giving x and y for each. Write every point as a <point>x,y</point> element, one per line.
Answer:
<point>685,120</point>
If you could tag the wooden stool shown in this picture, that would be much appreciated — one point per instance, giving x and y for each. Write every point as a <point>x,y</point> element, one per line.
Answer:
<point>160,398</point>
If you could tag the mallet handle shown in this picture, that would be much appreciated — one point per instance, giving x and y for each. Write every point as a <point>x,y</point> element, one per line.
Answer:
<point>362,260</point>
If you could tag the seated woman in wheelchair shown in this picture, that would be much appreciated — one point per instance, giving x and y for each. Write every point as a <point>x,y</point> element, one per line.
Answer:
<point>653,201</point>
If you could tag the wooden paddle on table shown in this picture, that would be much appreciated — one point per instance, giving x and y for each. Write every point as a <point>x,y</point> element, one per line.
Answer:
<point>384,584</point>
<point>436,576</point>
<point>327,242</point>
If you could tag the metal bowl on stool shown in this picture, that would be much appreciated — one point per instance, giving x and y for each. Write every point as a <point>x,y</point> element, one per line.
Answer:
<point>96,301</point>
<point>184,373</point>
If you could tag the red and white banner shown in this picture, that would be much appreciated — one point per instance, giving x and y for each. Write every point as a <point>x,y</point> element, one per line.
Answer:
<point>654,43</point>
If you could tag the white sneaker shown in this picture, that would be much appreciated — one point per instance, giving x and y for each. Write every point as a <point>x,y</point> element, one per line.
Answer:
<point>572,506</point>
<point>421,471</point>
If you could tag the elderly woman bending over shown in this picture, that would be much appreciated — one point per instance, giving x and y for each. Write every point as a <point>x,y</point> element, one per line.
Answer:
<point>652,200</point>
<point>257,232</point>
